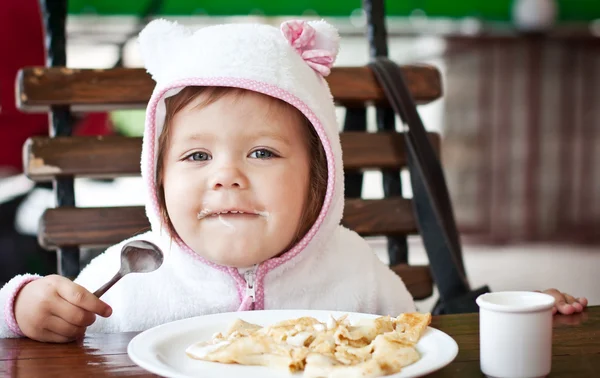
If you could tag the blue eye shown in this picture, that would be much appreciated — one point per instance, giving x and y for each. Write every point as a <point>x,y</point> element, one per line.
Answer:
<point>199,156</point>
<point>262,154</point>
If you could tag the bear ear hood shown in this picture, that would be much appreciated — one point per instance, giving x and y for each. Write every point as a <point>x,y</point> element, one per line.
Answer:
<point>288,63</point>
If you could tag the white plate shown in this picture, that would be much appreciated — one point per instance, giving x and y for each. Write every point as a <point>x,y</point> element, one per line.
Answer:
<point>161,350</point>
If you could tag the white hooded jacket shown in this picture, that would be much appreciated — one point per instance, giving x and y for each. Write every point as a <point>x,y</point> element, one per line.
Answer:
<point>331,268</point>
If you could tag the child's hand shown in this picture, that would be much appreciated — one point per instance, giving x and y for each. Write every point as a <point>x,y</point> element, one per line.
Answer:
<point>566,304</point>
<point>55,309</point>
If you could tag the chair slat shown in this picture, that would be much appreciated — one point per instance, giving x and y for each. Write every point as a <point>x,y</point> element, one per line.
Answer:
<point>99,157</point>
<point>107,89</point>
<point>102,226</point>
<point>106,157</point>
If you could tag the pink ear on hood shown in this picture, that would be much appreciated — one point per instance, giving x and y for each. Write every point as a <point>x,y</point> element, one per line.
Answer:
<point>317,42</point>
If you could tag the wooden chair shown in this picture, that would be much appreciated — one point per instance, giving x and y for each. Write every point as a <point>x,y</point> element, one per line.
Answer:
<point>63,157</point>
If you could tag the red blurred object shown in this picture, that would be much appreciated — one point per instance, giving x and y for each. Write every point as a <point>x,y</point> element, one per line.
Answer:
<point>93,124</point>
<point>22,44</point>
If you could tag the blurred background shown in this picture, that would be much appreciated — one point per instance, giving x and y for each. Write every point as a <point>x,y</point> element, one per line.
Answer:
<point>519,118</point>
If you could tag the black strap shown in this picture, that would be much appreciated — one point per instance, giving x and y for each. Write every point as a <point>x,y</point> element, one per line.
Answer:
<point>431,200</point>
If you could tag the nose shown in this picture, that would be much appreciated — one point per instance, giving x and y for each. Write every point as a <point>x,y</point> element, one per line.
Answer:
<point>229,178</point>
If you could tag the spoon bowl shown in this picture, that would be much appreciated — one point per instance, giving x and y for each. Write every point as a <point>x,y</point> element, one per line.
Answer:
<point>137,256</point>
<point>140,256</point>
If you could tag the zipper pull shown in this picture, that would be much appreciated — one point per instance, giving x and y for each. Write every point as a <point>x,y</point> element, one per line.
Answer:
<point>250,290</point>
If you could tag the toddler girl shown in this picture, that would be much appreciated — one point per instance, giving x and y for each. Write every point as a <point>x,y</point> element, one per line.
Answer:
<point>243,168</point>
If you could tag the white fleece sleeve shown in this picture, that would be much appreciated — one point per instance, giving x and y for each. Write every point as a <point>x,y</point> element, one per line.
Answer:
<point>8,324</point>
<point>393,298</point>
<point>99,271</point>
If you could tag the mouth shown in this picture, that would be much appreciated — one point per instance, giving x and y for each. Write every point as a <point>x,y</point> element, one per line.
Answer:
<point>206,213</point>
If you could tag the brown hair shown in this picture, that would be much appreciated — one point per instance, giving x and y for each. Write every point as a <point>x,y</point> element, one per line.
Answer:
<point>318,162</point>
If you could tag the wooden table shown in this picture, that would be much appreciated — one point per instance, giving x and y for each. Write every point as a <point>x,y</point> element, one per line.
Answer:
<point>576,351</point>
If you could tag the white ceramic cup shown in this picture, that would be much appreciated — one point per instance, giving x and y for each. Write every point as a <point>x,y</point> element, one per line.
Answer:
<point>515,331</point>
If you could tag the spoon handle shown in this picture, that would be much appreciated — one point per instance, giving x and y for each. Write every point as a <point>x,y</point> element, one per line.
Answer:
<point>100,292</point>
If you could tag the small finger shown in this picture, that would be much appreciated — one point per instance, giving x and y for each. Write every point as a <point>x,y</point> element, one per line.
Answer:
<point>72,314</point>
<point>48,336</point>
<point>63,328</point>
<point>572,301</point>
<point>577,306</point>
<point>564,308</point>
<point>559,301</point>
<point>583,301</point>
<point>80,297</point>
<point>557,295</point>
<point>569,298</point>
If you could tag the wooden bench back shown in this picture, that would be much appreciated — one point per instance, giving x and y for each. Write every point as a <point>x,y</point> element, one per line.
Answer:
<point>49,158</point>
<point>88,89</point>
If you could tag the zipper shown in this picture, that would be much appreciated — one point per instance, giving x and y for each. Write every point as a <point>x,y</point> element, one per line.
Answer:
<point>250,278</point>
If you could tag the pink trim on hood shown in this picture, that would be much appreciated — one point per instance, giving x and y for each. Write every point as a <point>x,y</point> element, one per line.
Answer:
<point>269,90</point>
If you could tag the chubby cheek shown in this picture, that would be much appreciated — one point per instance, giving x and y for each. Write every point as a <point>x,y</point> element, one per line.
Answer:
<point>180,203</point>
<point>287,201</point>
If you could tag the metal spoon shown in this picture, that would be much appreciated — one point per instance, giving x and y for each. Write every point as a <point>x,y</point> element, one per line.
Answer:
<point>137,256</point>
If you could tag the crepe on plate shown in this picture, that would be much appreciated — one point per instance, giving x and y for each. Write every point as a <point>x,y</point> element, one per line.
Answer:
<point>337,348</point>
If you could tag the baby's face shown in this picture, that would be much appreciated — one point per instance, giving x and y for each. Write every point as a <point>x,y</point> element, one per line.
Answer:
<point>246,158</point>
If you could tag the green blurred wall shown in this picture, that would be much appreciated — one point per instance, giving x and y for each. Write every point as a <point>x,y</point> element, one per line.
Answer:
<point>492,10</point>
